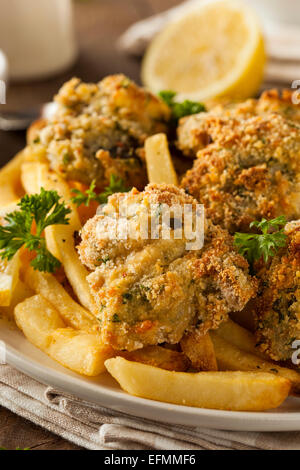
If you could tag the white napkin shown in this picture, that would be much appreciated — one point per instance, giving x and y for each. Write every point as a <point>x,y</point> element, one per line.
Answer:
<point>98,428</point>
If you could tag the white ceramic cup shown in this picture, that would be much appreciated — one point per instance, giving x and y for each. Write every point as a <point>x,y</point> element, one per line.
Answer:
<point>37,37</point>
<point>278,11</point>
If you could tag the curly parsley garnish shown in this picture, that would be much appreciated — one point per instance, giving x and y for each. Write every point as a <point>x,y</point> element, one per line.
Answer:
<point>39,210</point>
<point>265,245</point>
<point>179,110</point>
<point>116,185</point>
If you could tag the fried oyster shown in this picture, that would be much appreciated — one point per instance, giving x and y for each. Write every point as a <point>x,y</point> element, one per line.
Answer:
<point>277,308</point>
<point>250,170</point>
<point>98,130</point>
<point>197,131</point>
<point>150,291</point>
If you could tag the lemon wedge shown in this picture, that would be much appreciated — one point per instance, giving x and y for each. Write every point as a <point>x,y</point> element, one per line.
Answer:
<point>9,276</point>
<point>9,270</point>
<point>214,50</point>
<point>6,288</point>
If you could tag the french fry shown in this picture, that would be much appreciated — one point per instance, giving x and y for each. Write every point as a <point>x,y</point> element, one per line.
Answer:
<point>42,325</point>
<point>229,357</point>
<point>159,162</point>
<point>10,180</point>
<point>239,337</point>
<point>30,181</point>
<point>4,210</point>
<point>60,238</point>
<point>7,194</point>
<point>74,269</point>
<point>37,318</point>
<point>200,351</point>
<point>81,352</point>
<point>34,130</point>
<point>72,313</point>
<point>21,292</point>
<point>31,177</point>
<point>237,391</point>
<point>157,356</point>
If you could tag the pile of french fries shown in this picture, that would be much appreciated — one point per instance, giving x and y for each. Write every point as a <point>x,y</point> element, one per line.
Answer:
<point>221,370</point>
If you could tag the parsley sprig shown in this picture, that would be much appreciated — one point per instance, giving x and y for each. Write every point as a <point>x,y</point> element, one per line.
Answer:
<point>265,245</point>
<point>41,210</point>
<point>179,110</point>
<point>116,185</point>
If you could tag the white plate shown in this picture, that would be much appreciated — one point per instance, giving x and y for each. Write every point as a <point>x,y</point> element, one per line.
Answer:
<point>104,391</point>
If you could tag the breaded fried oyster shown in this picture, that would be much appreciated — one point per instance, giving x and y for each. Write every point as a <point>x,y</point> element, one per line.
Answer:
<point>197,131</point>
<point>250,171</point>
<point>278,307</point>
<point>151,290</point>
<point>99,130</point>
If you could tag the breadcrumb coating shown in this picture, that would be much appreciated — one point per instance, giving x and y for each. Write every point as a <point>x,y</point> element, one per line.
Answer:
<point>197,131</point>
<point>277,308</point>
<point>250,171</point>
<point>151,291</point>
<point>99,130</point>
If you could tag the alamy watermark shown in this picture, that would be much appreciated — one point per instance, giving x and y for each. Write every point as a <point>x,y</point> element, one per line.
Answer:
<point>152,222</point>
<point>296,353</point>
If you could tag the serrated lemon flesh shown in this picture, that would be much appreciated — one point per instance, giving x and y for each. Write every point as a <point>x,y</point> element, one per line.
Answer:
<point>9,275</point>
<point>214,50</point>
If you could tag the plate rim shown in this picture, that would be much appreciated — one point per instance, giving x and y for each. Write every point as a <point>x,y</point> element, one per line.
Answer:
<point>99,395</point>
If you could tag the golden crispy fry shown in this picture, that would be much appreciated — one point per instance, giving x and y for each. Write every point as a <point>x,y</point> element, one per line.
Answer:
<point>200,351</point>
<point>239,337</point>
<point>31,180</point>
<point>237,391</point>
<point>79,351</point>
<point>34,129</point>
<point>229,357</point>
<point>42,325</point>
<point>64,237</point>
<point>7,208</point>
<point>10,180</point>
<point>28,177</point>
<point>37,318</point>
<point>60,238</point>
<point>159,162</point>
<point>21,292</point>
<point>72,313</point>
<point>157,356</point>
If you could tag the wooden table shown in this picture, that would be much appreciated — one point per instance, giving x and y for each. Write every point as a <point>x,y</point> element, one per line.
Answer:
<point>98,23</point>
